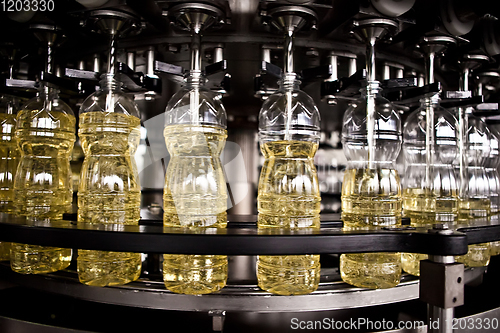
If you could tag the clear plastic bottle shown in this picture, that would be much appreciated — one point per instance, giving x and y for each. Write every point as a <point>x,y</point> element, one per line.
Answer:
<point>45,132</point>
<point>195,188</point>
<point>474,202</point>
<point>9,159</point>
<point>491,167</point>
<point>288,194</point>
<point>430,190</point>
<point>371,190</point>
<point>109,189</point>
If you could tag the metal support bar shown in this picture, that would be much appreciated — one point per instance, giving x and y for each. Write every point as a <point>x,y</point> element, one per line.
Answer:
<point>218,54</point>
<point>352,66</point>
<point>441,287</point>
<point>333,64</point>
<point>131,60</point>
<point>218,317</point>
<point>97,63</point>
<point>150,64</point>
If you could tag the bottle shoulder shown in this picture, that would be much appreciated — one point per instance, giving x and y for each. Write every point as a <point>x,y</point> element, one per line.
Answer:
<point>110,101</point>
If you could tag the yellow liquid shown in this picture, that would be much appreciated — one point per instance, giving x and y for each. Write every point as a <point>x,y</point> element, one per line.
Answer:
<point>371,197</point>
<point>425,208</point>
<point>194,197</point>
<point>478,255</point>
<point>495,248</point>
<point>9,159</point>
<point>109,192</point>
<point>42,185</point>
<point>289,198</point>
<point>473,208</point>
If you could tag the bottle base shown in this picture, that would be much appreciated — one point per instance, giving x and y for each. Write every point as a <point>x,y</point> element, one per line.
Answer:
<point>35,259</point>
<point>288,275</point>
<point>371,270</point>
<point>478,255</point>
<point>411,262</point>
<point>105,268</point>
<point>194,274</point>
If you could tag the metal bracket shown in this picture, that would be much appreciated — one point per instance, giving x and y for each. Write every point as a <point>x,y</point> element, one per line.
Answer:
<point>316,73</point>
<point>344,87</point>
<point>136,81</point>
<point>411,95</point>
<point>265,82</point>
<point>218,317</point>
<point>442,285</point>
<point>81,74</point>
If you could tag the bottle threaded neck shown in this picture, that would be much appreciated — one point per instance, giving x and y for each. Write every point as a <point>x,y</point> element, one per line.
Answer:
<point>194,78</point>
<point>109,82</point>
<point>289,82</point>
<point>372,88</point>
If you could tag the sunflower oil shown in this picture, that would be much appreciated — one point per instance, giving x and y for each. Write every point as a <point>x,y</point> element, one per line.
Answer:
<point>109,192</point>
<point>9,159</point>
<point>478,255</point>
<point>289,199</point>
<point>195,197</point>
<point>363,208</point>
<point>425,208</point>
<point>42,184</point>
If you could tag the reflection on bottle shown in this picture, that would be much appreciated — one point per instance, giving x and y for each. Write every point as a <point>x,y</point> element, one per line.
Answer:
<point>289,274</point>
<point>363,209</point>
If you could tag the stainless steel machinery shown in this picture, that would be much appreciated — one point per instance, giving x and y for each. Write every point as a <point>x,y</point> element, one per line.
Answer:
<point>242,58</point>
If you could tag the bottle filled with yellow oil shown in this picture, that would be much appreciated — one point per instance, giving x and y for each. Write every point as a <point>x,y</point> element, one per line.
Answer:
<point>45,132</point>
<point>371,189</point>
<point>491,167</point>
<point>109,191</point>
<point>474,203</point>
<point>471,211</point>
<point>288,193</point>
<point>195,195</point>
<point>9,159</point>
<point>430,137</point>
<point>9,152</point>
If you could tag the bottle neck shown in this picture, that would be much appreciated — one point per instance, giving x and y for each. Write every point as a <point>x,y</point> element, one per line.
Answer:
<point>9,103</point>
<point>194,78</point>
<point>431,101</point>
<point>108,82</point>
<point>372,88</point>
<point>289,82</point>
<point>48,91</point>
